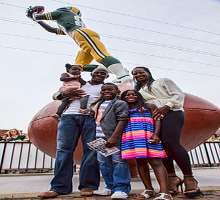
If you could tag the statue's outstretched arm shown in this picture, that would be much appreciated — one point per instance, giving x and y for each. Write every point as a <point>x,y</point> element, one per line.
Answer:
<point>36,14</point>
<point>50,28</point>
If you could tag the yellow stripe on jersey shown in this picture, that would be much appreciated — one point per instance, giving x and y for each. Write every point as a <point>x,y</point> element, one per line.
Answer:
<point>46,15</point>
<point>50,16</point>
<point>91,43</point>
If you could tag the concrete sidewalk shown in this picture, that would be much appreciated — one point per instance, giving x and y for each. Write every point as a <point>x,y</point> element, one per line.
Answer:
<point>27,187</point>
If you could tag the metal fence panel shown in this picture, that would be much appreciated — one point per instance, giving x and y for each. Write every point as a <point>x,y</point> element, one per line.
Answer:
<point>7,156</point>
<point>207,154</point>
<point>25,157</point>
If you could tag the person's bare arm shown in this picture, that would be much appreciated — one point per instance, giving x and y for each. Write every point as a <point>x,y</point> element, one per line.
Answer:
<point>66,77</point>
<point>112,141</point>
<point>155,138</point>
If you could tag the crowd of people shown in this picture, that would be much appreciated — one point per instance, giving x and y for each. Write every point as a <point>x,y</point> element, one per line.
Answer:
<point>12,135</point>
<point>144,123</point>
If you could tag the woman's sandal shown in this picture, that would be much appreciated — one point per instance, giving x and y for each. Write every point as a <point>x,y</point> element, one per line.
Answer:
<point>174,182</point>
<point>148,194</point>
<point>191,187</point>
<point>193,193</point>
<point>163,196</point>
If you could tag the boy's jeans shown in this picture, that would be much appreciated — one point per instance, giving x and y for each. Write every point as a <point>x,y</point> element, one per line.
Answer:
<point>69,130</point>
<point>115,172</point>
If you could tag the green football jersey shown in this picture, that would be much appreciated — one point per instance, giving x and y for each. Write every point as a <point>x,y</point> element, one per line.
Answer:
<point>68,18</point>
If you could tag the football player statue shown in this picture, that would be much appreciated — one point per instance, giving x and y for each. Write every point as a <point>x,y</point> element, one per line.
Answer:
<point>91,47</point>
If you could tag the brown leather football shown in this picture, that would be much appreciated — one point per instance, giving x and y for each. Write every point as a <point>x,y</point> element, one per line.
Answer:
<point>202,119</point>
<point>38,9</point>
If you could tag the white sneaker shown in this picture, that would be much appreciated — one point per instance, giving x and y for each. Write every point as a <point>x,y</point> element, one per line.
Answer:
<point>105,192</point>
<point>119,195</point>
<point>163,196</point>
<point>148,194</point>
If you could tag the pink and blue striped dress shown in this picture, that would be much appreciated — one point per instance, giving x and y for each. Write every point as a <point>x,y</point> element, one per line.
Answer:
<point>135,138</point>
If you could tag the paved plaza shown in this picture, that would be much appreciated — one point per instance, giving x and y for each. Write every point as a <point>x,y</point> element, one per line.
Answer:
<point>208,195</point>
<point>28,186</point>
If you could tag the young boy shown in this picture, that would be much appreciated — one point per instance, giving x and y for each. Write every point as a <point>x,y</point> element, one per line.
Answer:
<point>111,116</point>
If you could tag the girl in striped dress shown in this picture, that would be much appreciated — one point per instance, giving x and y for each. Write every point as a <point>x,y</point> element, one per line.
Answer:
<point>140,141</point>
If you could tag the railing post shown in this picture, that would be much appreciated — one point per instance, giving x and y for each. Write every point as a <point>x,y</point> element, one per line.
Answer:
<point>28,156</point>
<point>3,156</point>
<point>207,154</point>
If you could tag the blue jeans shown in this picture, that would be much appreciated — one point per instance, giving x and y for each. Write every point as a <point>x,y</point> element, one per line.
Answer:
<point>70,128</point>
<point>115,172</point>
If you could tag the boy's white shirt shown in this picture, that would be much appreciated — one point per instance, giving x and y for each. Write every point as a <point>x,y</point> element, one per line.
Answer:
<point>102,107</point>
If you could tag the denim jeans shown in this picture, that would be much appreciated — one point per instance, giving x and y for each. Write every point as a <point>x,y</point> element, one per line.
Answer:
<point>70,128</point>
<point>115,172</point>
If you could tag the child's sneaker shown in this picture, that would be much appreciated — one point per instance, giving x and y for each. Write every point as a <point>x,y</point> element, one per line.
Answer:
<point>86,192</point>
<point>148,194</point>
<point>119,195</point>
<point>105,192</point>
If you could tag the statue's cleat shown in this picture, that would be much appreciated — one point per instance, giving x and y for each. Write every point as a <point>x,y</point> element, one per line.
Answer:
<point>122,79</point>
<point>125,83</point>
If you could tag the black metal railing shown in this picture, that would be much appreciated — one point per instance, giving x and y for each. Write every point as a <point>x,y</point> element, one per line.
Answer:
<point>24,157</point>
<point>206,154</point>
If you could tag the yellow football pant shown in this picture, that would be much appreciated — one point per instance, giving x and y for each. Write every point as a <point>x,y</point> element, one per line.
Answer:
<point>91,46</point>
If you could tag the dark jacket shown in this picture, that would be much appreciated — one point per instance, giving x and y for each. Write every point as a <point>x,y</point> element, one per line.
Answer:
<point>115,111</point>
